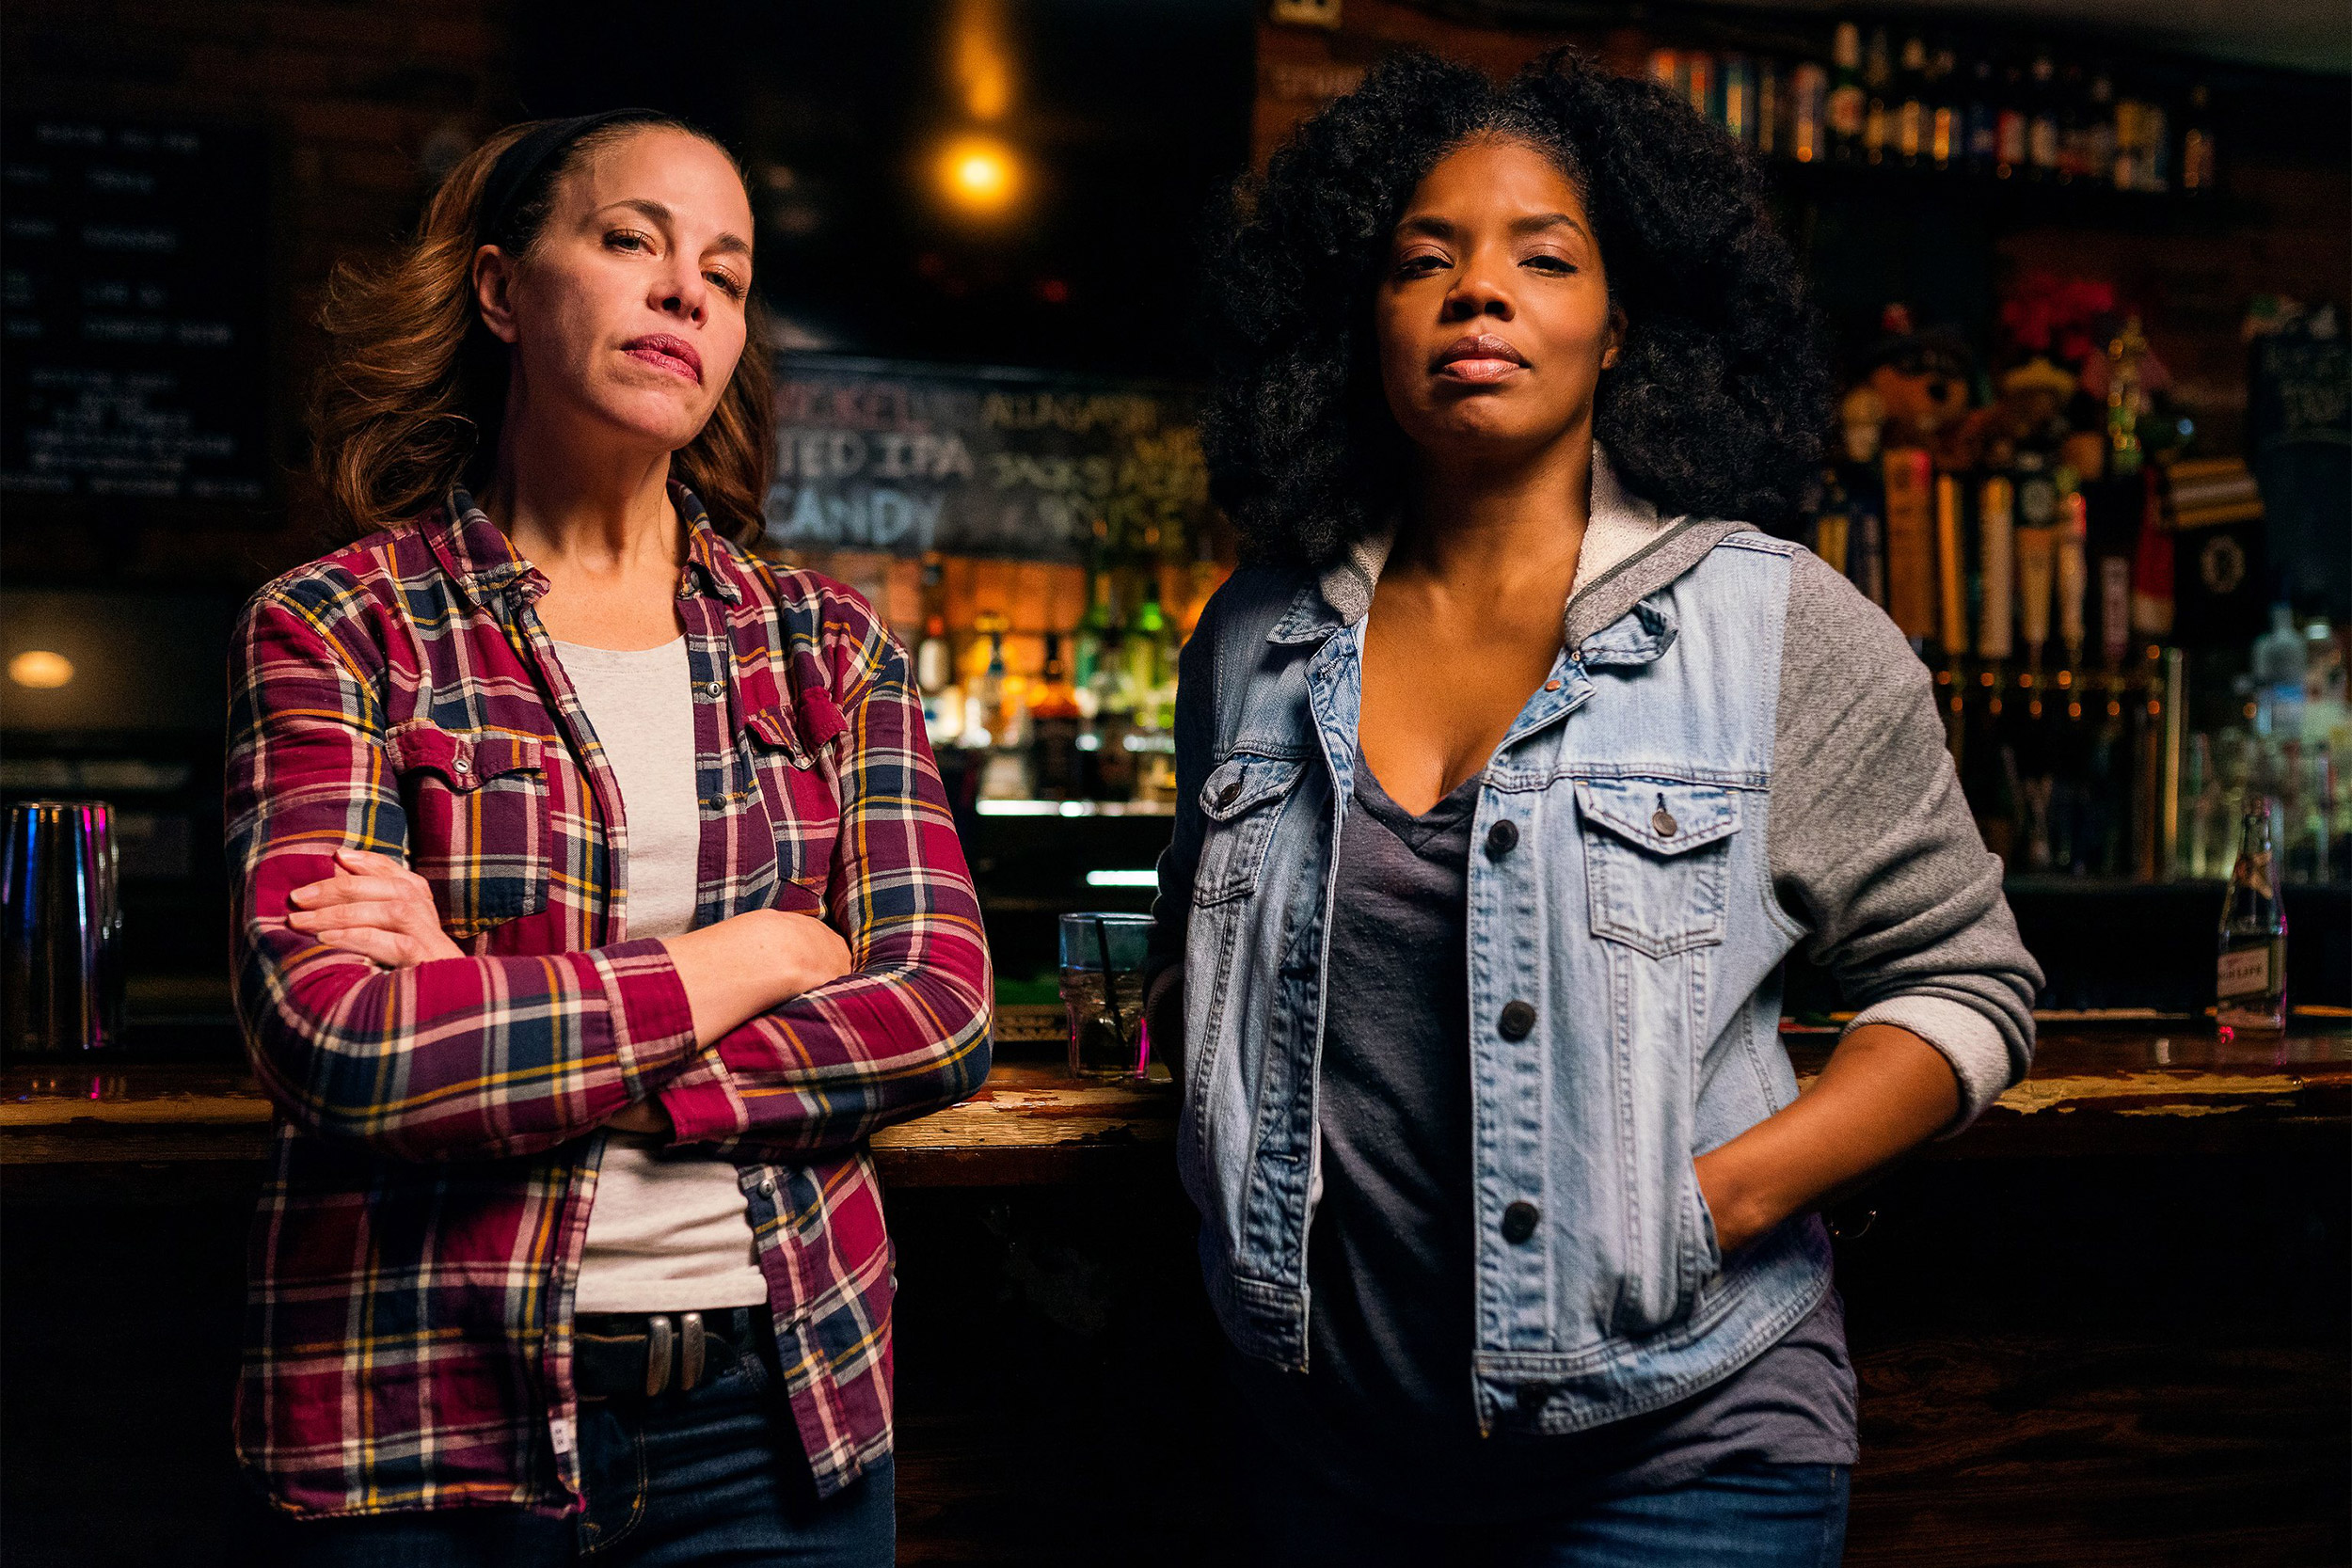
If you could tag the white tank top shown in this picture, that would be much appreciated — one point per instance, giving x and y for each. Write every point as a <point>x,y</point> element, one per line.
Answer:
<point>668,1232</point>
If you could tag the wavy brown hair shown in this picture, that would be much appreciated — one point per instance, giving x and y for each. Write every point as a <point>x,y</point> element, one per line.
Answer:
<point>409,400</point>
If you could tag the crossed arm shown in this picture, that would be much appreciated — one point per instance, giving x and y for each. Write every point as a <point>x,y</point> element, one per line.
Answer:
<point>766,1036</point>
<point>732,972</point>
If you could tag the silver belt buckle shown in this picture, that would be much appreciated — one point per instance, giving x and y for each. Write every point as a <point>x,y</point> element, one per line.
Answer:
<point>691,1366</point>
<point>658,1341</point>
<point>687,1339</point>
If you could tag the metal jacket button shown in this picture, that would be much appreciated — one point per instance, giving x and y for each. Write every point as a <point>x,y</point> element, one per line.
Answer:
<point>1533,1397</point>
<point>1518,1019</point>
<point>1519,1221</point>
<point>1551,686</point>
<point>1662,821</point>
<point>1229,794</point>
<point>1502,839</point>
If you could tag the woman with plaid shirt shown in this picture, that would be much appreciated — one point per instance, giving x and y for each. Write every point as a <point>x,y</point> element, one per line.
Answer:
<point>597,900</point>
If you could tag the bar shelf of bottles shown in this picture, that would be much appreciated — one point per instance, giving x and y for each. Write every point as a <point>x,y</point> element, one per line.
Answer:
<point>1048,687</point>
<point>2010,114</point>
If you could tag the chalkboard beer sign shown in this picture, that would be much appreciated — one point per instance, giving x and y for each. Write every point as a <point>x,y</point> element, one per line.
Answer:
<point>134,364</point>
<point>908,458</point>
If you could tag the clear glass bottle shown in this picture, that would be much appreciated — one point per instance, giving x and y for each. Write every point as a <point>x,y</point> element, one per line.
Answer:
<point>2250,982</point>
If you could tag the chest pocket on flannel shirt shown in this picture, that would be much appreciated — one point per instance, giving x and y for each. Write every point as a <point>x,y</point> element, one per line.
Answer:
<point>478,820</point>
<point>798,801</point>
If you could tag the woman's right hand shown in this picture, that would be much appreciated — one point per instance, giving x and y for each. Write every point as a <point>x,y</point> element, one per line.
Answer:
<point>759,959</point>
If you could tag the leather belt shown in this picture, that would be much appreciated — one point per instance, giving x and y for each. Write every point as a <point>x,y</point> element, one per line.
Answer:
<point>643,1354</point>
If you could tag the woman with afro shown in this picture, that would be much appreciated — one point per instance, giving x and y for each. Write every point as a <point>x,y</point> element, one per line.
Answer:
<point>1511,767</point>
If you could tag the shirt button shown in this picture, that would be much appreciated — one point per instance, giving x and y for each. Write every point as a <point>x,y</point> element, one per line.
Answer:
<point>1519,1221</point>
<point>1502,839</point>
<point>1518,1021</point>
<point>462,765</point>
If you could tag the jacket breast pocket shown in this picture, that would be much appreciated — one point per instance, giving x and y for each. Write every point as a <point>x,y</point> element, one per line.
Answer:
<point>478,820</point>
<point>1654,860</point>
<point>1240,802</point>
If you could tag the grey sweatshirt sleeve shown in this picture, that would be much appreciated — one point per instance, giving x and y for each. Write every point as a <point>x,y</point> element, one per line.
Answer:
<point>1874,851</point>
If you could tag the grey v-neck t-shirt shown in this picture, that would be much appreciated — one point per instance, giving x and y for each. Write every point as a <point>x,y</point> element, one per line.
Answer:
<point>668,1232</point>
<point>1385,1409</point>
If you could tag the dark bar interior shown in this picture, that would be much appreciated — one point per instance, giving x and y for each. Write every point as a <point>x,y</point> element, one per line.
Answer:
<point>2081,274</point>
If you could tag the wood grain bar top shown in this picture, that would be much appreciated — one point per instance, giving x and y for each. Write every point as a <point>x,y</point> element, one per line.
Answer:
<point>2097,1086</point>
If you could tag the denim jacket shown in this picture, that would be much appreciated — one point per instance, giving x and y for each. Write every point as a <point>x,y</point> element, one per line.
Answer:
<point>1628,916</point>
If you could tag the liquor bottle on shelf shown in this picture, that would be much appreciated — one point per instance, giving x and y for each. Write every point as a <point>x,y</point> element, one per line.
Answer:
<point>935,676</point>
<point>1808,113</point>
<point>1772,108</point>
<point>2097,156</point>
<point>1703,83</point>
<point>1145,652</point>
<point>1948,114</point>
<point>984,692</point>
<point>1738,98</point>
<point>2282,660</point>
<point>1847,101</point>
<point>1096,630</point>
<point>1911,101</point>
<point>1057,764</point>
<point>2154,167</point>
<point>1878,85</point>
<point>2250,981</point>
<point>2041,125</point>
<point>2073,119</point>
<point>2012,122</point>
<point>2308,813</point>
<point>2197,150</point>
<point>1980,116</point>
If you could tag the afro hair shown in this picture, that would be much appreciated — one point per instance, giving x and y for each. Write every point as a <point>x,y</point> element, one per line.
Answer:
<point>1717,402</point>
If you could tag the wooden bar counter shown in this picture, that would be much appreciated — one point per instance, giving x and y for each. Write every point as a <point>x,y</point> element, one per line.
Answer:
<point>2103,1085</point>
<point>2102,1329</point>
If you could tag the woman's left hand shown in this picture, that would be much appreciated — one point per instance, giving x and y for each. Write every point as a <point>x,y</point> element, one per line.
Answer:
<point>1734,1229</point>
<point>1884,1092</point>
<point>376,907</point>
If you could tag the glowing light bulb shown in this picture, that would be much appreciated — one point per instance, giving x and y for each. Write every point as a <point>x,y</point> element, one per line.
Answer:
<point>980,174</point>
<point>40,669</point>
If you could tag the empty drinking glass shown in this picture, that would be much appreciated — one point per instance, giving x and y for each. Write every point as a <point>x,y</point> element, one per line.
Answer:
<point>1102,993</point>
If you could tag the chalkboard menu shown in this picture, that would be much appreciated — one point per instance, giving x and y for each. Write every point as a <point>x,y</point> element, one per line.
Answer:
<point>136,263</point>
<point>902,457</point>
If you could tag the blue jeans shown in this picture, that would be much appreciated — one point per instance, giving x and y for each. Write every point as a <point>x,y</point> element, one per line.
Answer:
<point>697,1479</point>
<point>1756,1516</point>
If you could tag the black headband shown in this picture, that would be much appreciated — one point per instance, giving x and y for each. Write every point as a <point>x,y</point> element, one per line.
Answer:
<point>519,166</point>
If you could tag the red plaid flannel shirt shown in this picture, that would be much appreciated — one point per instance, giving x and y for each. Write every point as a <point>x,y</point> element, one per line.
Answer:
<point>409,1316</point>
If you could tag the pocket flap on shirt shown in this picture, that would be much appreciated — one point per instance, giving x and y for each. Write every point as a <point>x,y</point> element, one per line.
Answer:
<point>464,762</point>
<point>1663,818</point>
<point>774,725</point>
<point>1243,782</point>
